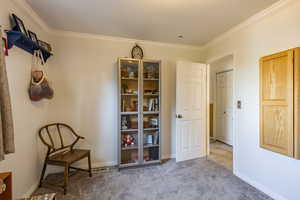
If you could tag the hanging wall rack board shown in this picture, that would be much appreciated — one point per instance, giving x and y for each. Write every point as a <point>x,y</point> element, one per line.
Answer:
<point>22,41</point>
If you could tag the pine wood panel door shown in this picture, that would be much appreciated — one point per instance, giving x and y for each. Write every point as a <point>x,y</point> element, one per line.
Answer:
<point>297,103</point>
<point>276,102</point>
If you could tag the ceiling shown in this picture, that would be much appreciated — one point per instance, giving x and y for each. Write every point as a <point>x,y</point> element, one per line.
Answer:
<point>198,21</point>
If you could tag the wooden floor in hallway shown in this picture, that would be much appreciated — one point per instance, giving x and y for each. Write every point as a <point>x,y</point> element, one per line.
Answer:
<point>221,153</point>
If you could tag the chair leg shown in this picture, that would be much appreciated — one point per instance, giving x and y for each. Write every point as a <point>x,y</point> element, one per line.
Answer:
<point>66,178</point>
<point>90,165</point>
<point>43,174</point>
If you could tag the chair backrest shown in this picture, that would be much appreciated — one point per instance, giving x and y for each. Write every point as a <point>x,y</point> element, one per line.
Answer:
<point>58,136</point>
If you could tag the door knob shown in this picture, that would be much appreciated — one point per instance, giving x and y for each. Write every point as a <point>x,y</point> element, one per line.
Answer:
<point>179,116</point>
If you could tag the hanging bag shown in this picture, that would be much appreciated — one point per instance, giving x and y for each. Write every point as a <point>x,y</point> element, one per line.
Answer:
<point>39,87</point>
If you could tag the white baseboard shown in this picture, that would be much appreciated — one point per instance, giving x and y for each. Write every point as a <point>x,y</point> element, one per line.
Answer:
<point>31,190</point>
<point>99,164</point>
<point>168,156</point>
<point>114,163</point>
<point>260,187</point>
<point>104,164</point>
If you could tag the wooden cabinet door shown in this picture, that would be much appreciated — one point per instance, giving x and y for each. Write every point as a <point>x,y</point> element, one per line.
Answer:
<point>276,102</point>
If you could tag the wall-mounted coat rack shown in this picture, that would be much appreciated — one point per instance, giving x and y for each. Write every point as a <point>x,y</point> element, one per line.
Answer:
<point>22,41</point>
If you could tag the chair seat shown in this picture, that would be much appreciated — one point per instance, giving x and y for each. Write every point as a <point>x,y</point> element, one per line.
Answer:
<point>69,156</point>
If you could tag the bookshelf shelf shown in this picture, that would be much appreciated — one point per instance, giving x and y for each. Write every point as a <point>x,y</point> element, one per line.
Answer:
<point>150,145</point>
<point>150,95</point>
<point>129,94</point>
<point>129,113</point>
<point>132,79</point>
<point>129,130</point>
<point>129,148</point>
<point>151,79</point>
<point>151,129</point>
<point>150,112</point>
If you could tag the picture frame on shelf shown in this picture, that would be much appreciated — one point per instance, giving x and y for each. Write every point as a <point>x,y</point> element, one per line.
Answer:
<point>45,45</point>
<point>5,46</point>
<point>19,24</point>
<point>32,36</point>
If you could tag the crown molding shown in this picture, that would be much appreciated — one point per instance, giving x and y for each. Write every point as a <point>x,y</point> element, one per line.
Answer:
<point>252,20</point>
<point>27,8</point>
<point>121,39</point>
<point>255,18</point>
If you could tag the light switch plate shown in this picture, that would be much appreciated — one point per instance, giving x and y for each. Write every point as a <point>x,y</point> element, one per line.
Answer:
<point>239,104</point>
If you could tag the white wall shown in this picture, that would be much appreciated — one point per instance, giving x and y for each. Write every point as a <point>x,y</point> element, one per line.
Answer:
<point>219,65</point>
<point>275,174</point>
<point>86,88</point>
<point>28,116</point>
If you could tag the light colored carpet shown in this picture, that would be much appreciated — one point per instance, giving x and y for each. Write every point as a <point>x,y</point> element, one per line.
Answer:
<point>198,179</point>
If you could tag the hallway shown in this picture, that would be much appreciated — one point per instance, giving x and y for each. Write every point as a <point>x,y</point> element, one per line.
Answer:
<point>221,153</point>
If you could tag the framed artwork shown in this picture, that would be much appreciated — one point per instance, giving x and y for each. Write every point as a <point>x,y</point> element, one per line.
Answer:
<point>19,24</point>
<point>45,45</point>
<point>5,46</point>
<point>32,36</point>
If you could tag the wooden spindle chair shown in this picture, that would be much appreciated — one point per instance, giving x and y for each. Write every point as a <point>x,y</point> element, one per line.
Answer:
<point>60,153</point>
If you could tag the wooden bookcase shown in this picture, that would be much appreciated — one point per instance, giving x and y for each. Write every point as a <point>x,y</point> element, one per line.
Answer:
<point>7,179</point>
<point>139,111</point>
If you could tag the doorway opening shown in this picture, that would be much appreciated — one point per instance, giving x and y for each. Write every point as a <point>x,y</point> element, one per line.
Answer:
<point>221,110</point>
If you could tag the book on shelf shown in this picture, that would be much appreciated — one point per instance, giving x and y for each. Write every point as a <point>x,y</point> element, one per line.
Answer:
<point>153,104</point>
<point>151,139</point>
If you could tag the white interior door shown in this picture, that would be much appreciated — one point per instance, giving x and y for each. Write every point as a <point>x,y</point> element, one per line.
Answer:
<point>191,110</point>
<point>224,107</point>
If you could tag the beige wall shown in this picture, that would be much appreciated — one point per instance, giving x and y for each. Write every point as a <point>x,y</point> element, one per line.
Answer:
<point>86,88</point>
<point>28,117</point>
<point>273,173</point>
